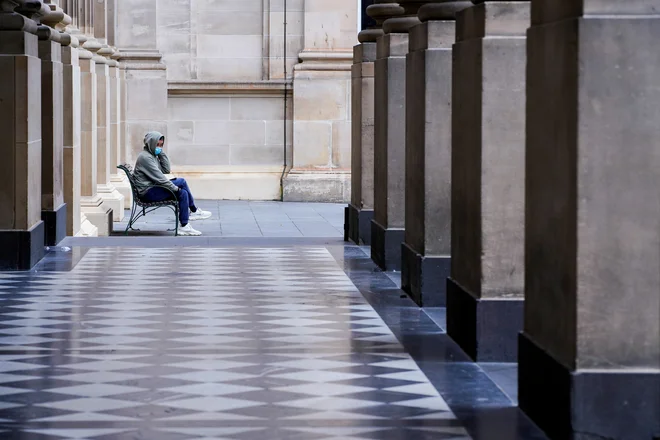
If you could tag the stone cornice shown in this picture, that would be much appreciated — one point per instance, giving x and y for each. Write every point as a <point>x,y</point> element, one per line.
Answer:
<point>262,88</point>
<point>139,59</point>
<point>325,60</point>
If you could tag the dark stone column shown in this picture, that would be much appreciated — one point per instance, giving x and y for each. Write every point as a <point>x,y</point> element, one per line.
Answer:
<point>426,250</point>
<point>485,290</point>
<point>589,359</point>
<point>387,227</point>
<point>360,211</point>
<point>21,228</point>
<point>53,208</point>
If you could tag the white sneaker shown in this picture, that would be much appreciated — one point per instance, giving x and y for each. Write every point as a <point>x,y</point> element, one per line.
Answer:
<point>200,215</point>
<point>188,230</point>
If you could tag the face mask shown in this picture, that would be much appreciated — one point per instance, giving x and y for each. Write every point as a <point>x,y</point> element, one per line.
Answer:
<point>158,151</point>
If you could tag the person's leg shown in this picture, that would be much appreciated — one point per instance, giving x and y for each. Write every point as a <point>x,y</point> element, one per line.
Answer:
<point>184,204</point>
<point>181,183</point>
<point>156,194</point>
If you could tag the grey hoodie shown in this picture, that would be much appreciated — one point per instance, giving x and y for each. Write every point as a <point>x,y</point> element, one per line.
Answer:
<point>150,169</point>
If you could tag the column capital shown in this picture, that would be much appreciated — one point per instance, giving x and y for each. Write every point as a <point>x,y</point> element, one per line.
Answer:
<point>493,19</point>
<point>67,39</point>
<point>108,53</point>
<point>403,23</point>
<point>33,9</point>
<point>379,11</point>
<point>90,47</point>
<point>56,17</point>
<point>442,9</point>
<point>13,21</point>
<point>46,33</point>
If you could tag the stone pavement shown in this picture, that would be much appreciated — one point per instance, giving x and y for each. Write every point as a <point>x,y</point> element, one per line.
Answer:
<point>250,219</point>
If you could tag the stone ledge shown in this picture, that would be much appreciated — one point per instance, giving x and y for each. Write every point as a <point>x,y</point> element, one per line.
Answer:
<point>317,186</point>
<point>192,88</point>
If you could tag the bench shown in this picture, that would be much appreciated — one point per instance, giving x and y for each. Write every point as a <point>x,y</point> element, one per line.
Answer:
<point>141,208</point>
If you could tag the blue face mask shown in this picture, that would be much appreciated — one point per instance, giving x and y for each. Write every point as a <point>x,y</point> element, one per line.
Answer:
<point>158,151</point>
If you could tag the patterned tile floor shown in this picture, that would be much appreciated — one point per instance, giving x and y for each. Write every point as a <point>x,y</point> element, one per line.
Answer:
<point>236,342</point>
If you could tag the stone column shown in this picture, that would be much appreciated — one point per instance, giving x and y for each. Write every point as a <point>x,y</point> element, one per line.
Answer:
<point>105,161</point>
<point>21,229</point>
<point>123,133</point>
<point>321,105</point>
<point>146,76</point>
<point>106,100</point>
<point>360,211</point>
<point>77,222</point>
<point>118,178</point>
<point>426,251</point>
<point>589,356</point>
<point>485,289</point>
<point>99,214</point>
<point>53,208</point>
<point>389,138</point>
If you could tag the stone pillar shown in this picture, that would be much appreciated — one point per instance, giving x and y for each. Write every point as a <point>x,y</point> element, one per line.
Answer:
<point>118,178</point>
<point>105,161</point>
<point>118,109</point>
<point>123,143</point>
<point>426,251</point>
<point>360,211</point>
<point>53,208</point>
<point>77,222</point>
<point>387,227</point>
<point>485,289</point>
<point>99,214</point>
<point>146,76</point>
<point>21,229</point>
<point>321,105</point>
<point>589,356</point>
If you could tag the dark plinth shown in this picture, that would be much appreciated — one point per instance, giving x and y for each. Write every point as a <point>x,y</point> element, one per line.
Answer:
<point>347,223</point>
<point>55,225</point>
<point>486,329</point>
<point>359,225</point>
<point>424,278</point>
<point>386,246</point>
<point>21,250</point>
<point>586,405</point>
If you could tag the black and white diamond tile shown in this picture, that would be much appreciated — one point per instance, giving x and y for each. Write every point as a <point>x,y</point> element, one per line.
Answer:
<point>199,343</point>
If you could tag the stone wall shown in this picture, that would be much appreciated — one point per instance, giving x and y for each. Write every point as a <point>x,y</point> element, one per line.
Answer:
<point>228,66</point>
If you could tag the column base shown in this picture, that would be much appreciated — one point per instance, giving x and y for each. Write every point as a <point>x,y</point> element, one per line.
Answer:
<point>113,199</point>
<point>55,225</point>
<point>98,214</point>
<point>121,184</point>
<point>22,250</point>
<point>323,187</point>
<point>424,278</point>
<point>359,225</point>
<point>486,329</point>
<point>586,405</point>
<point>386,246</point>
<point>87,229</point>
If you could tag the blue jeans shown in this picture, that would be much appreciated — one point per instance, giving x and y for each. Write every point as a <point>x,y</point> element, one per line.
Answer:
<point>186,200</point>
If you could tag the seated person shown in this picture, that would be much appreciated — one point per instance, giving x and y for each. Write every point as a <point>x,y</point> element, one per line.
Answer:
<point>150,168</point>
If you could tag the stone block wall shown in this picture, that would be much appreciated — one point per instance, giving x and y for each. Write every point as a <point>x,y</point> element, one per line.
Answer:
<point>216,86</point>
<point>232,142</point>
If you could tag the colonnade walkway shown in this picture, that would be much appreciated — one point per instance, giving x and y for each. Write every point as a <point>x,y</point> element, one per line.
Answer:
<point>234,338</point>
